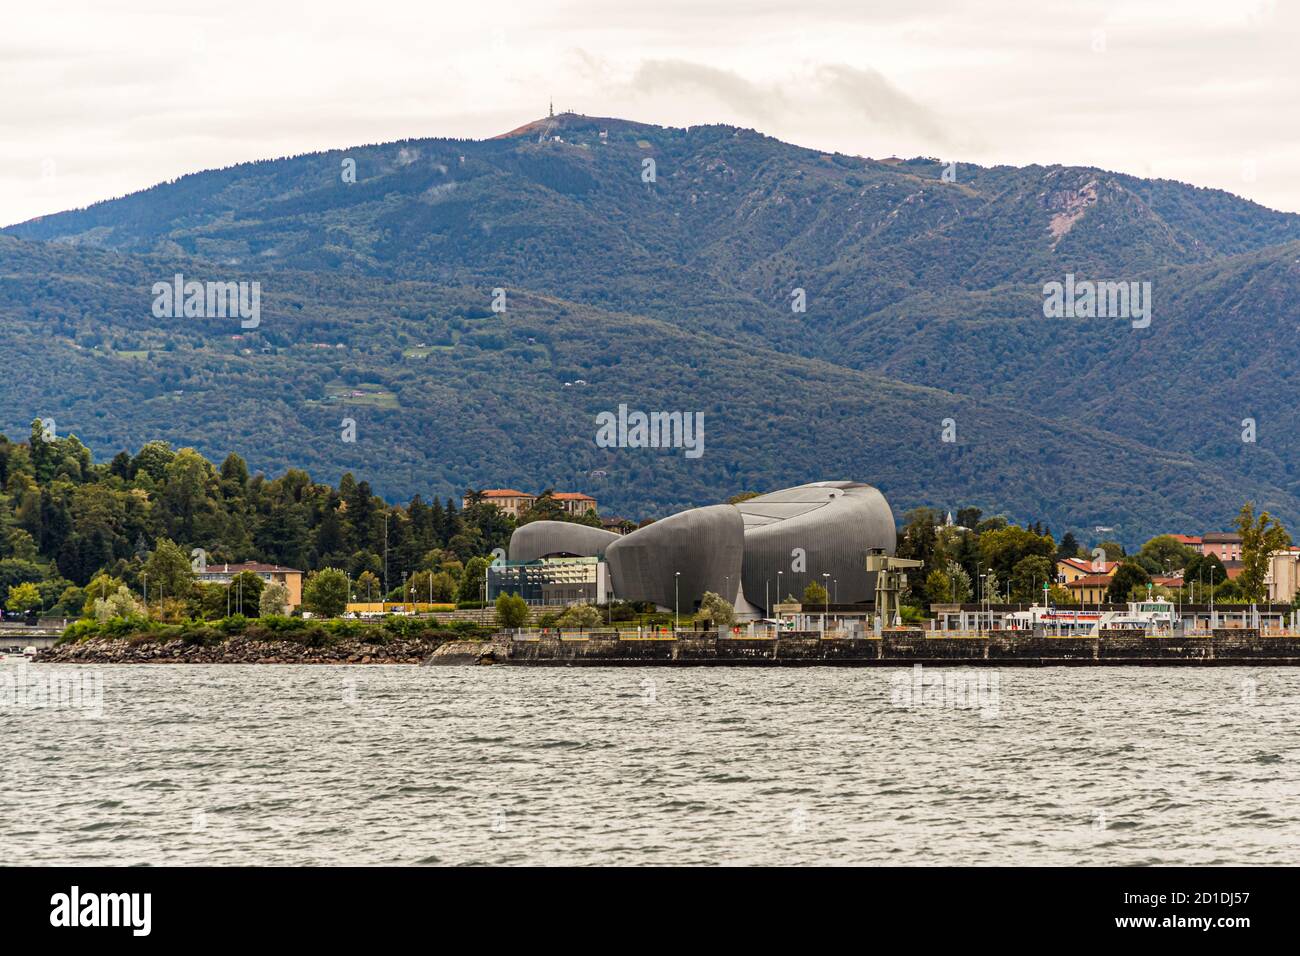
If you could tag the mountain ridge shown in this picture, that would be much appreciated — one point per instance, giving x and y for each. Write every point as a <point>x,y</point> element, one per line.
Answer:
<point>908,279</point>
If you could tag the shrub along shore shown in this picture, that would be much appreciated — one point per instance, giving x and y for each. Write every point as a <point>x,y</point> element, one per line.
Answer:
<point>265,640</point>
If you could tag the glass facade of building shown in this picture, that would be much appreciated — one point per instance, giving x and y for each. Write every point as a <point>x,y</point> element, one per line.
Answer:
<point>553,581</point>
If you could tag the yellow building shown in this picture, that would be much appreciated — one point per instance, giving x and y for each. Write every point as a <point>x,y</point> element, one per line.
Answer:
<point>1071,569</point>
<point>517,502</point>
<point>291,578</point>
<point>1090,588</point>
<point>512,502</point>
<point>575,502</point>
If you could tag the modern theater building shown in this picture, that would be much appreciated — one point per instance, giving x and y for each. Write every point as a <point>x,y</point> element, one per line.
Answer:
<point>753,553</point>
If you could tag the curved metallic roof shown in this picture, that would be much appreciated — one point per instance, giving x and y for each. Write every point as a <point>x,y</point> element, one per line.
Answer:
<point>704,545</point>
<point>541,539</point>
<point>832,524</point>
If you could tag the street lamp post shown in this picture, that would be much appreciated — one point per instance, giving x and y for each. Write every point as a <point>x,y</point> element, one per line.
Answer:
<point>677,602</point>
<point>826,578</point>
<point>992,580</point>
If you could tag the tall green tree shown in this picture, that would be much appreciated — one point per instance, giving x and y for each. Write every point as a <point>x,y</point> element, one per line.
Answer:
<point>1003,548</point>
<point>917,538</point>
<point>1028,577</point>
<point>325,592</point>
<point>1128,575</point>
<point>23,598</point>
<point>169,571</point>
<point>1167,553</point>
<point>1202,571</point>
<point>273,601</point>
<point>1261,537</point>
<point>471,582</point>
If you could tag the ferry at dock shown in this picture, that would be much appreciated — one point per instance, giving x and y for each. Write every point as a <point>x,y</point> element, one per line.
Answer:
<point>1153,616</point>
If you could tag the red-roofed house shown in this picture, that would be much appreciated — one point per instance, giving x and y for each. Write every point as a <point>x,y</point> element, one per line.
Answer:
<point>517,502</point>
<point>1192,541</point>
<point>507,499</point>
<point>575,502</point>
<point>1226,544</point>
<point>1071,569</point>
<point>1090,588</point>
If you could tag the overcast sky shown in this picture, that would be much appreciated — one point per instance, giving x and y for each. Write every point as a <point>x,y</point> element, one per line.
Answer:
<point>104,99</point>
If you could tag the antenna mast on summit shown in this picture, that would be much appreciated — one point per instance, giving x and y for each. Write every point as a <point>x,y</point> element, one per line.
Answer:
<point>550,123</point>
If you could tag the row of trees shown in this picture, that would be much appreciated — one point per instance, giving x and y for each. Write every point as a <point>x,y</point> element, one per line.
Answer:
<point>978,557</point>
<point>73,531</point>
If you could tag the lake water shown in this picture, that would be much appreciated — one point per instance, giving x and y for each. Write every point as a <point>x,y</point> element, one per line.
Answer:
<point>190,764</point>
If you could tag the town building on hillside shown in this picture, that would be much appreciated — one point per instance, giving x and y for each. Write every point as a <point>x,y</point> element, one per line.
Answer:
<point>1090,588</point>
<point>291,578</point>
<point>1225,544</point>
<point>1071,569</point>
<point>517,502</point>
<point>512,502</point>
<point>1192,541</point>
<point>575,502</point>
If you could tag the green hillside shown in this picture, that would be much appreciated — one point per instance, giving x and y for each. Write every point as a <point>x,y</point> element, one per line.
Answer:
<point>923,303</point>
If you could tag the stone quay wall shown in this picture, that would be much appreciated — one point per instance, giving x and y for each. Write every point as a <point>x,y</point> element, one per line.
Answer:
<point>892,648</point>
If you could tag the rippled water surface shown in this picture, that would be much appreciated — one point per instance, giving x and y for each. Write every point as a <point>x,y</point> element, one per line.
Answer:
<point>193,764</point>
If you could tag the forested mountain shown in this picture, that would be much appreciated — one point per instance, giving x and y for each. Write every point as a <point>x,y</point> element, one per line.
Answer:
<point>732,222</point>
<point>924,303</point>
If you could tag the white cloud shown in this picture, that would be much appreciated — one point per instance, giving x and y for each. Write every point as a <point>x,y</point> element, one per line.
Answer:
<point>116,99</point>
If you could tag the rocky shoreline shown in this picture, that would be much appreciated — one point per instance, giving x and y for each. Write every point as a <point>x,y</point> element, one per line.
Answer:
<point>240,650</point>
